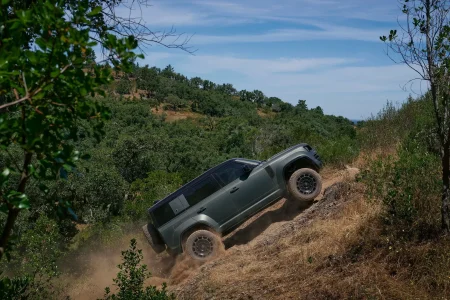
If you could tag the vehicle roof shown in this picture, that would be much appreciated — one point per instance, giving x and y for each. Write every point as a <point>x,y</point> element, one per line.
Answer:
<point>169,197</point>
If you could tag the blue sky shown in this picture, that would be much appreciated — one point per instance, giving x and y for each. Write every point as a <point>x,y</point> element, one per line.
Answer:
<point>325,51</point>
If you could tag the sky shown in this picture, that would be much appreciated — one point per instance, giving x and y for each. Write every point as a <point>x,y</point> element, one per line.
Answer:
<point>327,52</point>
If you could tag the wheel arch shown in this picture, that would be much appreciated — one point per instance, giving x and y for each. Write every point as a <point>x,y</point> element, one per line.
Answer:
<point>197,226</point>
<point>298,163</point>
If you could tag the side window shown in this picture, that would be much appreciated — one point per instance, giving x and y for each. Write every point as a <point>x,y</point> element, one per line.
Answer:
<point>230,172</point>
<point>163,214</point>
<point>205,188</point>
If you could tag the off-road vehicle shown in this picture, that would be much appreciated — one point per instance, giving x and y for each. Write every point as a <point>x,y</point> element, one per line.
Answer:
<point>195,217</point>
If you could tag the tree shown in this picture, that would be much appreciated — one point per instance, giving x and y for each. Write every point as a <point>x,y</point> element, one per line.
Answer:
<point>258,97</point>
<point>147,79</point>
<point>45,93</point>
<point>175,102</point>
<point>197,82</point>
<point>168,72</point>
<point>318,110</point>
<point>227,89</point>
<point>424,46</point>
<point>208,85</point>
<point>301,105</point>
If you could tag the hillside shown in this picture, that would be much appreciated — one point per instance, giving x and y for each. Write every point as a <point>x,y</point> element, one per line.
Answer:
<point>370,238</point>
<point>150,145</point>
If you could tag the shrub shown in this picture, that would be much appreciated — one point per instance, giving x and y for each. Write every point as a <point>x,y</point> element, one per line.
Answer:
<point>131,277</point>
<point>123,86</point>
<point>13,288</point>
<point>409,185</point>
<point>144,192</point>
<point>33,262</point>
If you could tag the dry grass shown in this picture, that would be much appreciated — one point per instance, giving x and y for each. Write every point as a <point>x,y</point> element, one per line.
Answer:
<point>337,253</point>
<point>294,265</point>
<point>365,157</point>
<point>172,116</point>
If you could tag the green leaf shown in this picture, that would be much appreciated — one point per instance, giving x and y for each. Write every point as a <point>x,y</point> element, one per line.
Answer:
<point>6,172</point>
<point>68,168</point>
<point>95,11</point>
<point>24,204</point>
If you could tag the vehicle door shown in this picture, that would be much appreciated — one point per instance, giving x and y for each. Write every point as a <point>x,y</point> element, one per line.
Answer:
<point>246,183</point>
<point>206,197</point>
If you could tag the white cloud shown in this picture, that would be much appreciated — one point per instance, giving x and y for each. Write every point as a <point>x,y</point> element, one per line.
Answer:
<point>328,32</point>
<point>222,13</point>
<point>255,67</point>
<point>378,10</point>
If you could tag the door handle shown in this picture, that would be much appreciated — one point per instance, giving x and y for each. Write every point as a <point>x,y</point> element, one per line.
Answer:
<point>234,190</point>
<point>202,209</point>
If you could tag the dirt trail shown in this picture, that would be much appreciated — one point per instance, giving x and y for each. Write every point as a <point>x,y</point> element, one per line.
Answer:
<point>268,221</point>
<point>100,265</point>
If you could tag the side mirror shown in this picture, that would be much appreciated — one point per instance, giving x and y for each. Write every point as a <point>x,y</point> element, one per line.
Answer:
<point>247,169</point>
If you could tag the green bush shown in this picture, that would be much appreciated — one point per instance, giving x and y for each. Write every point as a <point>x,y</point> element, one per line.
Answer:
<point>144,192</point>
<point>409,185</point>
<point>13,288</point>
<point>131,277</point>
<point>33,262</point>
<point>339,151</point>
<point>123,86</point>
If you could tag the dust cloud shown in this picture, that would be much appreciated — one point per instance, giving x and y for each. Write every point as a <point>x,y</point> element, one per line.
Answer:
<point>86,276</point>
<point>93,269</point>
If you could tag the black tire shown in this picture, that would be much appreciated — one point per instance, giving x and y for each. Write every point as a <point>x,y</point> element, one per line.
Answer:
<point>153,238</point>
<point>305,184</point>
<point>202,245</point>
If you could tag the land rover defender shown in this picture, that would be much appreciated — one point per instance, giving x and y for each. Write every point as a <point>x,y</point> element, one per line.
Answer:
<point>194,218</point>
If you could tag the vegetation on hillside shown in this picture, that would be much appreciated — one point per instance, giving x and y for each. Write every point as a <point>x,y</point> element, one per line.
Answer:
<point>79,148</point>
<point>88,145</point>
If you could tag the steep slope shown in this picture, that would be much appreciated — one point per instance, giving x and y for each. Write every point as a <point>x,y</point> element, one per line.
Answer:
<point>261,250</point>
<point>266,255</point>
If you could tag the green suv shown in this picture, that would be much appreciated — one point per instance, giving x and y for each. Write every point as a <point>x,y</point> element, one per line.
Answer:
<point>195,217</point>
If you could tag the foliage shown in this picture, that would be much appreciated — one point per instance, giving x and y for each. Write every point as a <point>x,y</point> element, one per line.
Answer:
<point>131,277</point>
<point>44,91</point>
<point>141,157</point>
<point>429,20</point>
<point>123,86</point>
<point>13,288</point>
<point>407,180</point>
<point>34,260</point>
<point>145,192</point>
<point>409,187</point>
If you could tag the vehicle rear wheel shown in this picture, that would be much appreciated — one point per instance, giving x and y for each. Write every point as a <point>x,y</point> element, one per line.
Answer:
<point>203,245</point>
<point>305,184</point>
<point>153,238</point>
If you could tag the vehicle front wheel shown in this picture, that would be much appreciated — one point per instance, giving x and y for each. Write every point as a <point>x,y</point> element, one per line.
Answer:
<point>203,245</point>
<point>305,184</point>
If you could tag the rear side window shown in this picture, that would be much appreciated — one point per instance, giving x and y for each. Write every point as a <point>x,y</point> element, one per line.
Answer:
<point>202,190</point>
<point>230,172</point>
<point>163,214</point>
